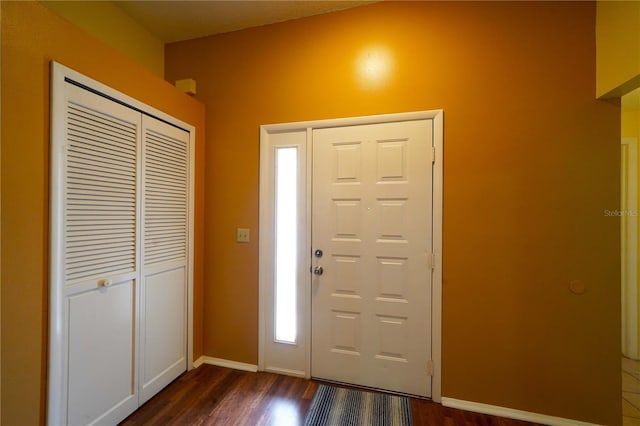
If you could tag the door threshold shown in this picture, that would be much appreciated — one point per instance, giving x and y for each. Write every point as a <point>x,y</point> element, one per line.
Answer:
<point>368,388</point>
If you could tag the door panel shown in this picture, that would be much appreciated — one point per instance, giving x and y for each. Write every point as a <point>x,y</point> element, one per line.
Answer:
<point>101,355</point>
<point>165,337</point>
<point>98,258</point>
<point>372,217</point>
<point>163,330</point>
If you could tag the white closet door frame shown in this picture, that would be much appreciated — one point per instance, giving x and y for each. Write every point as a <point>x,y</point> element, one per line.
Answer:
<point>287,358</point>
<point>57,370</point>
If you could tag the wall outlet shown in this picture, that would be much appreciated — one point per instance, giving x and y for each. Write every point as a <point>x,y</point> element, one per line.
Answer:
<point>242,235</point>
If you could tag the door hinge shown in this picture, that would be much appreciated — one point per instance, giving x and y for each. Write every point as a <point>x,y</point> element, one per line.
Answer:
<point>433,154</point>
<point>430,368</point>
<point>433,261</point>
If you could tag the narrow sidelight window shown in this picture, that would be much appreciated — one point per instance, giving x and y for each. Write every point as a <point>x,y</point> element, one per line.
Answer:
<point>286,244</point>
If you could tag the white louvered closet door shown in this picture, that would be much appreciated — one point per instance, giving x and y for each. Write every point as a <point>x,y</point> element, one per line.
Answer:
<point>163,332</point>
<point>96,257</point>
<point>120,253</point>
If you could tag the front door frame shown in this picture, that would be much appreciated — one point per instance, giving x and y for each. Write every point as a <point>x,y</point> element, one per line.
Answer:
<point>266,256</point>
<point>629,247</point>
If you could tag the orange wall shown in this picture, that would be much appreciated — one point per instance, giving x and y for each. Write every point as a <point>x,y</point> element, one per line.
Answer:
<point>531,161</point>
<point>32,35</point>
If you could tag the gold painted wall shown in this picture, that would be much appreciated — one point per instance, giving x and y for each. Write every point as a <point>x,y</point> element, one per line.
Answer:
<point>630,124</point>
<point>618,47</point>
<point>531,161</point>
<point>112,26</point>
<point>32,35</point>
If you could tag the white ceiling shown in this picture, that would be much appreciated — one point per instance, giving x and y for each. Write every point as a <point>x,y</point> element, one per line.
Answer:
<point>182,20</point>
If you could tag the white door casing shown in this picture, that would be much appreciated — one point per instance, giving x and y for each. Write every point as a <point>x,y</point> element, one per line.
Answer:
<point>629,246</point>
<point>296,359</point>
<point>371,306</point>
<point>96,353</point>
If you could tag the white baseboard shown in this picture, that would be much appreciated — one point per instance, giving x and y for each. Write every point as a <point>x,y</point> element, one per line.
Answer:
<point>225,363</point>
<point>511,413</point>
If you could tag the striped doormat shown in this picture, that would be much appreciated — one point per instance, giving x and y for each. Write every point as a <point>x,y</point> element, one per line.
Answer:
<point>333,406</point>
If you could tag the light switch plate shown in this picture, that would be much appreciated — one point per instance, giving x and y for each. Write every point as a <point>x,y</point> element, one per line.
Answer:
<point>242,235</point>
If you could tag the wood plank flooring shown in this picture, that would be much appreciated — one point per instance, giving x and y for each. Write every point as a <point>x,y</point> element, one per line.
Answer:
<point>210,395</point>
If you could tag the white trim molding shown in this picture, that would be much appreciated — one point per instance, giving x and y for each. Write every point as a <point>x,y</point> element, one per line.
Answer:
<point>219,362</point>
<point>511,413</point>
<point>436,279</point>
<point>629,247</point>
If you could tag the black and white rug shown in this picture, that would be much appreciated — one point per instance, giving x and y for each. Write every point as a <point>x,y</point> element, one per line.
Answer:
<point>334,406</point>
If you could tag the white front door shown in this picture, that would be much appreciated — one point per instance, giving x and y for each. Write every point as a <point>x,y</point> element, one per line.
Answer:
<point>372,221</point>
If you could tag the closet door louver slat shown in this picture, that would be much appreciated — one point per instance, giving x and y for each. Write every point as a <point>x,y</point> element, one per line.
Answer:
<point>165,201</point>
<point>100,208</point>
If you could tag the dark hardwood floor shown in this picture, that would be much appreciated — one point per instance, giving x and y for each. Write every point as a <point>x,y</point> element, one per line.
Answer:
<point>210,395</point>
